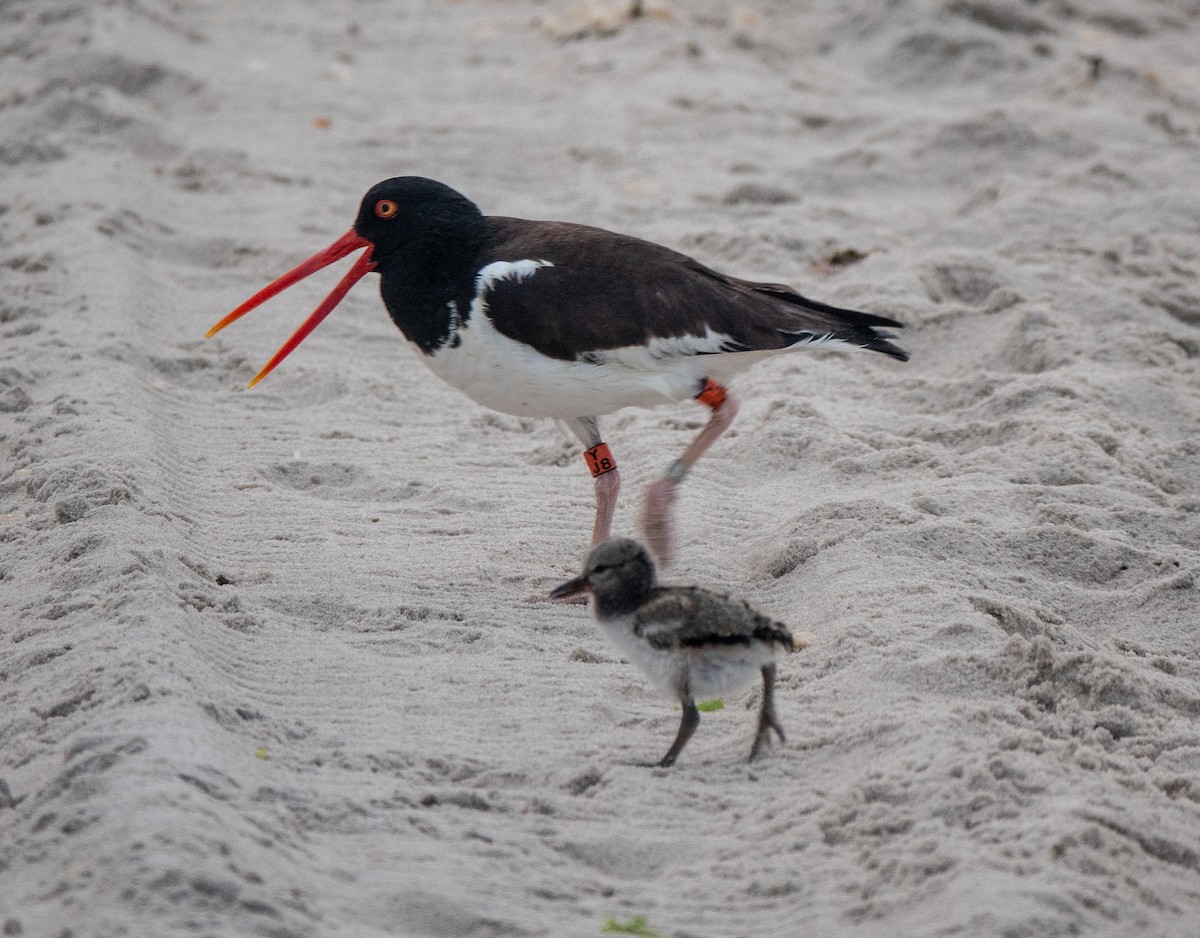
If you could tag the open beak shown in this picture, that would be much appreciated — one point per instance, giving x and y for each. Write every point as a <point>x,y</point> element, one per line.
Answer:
<point>572,587</point>
<point>346,244</point>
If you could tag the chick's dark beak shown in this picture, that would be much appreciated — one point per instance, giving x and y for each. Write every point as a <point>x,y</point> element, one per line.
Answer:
<point>574,587</point>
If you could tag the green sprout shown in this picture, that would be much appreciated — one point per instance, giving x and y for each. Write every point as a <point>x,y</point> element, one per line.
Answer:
<point>635,926</point>
<point>708,706</point>
<point>261,753</point>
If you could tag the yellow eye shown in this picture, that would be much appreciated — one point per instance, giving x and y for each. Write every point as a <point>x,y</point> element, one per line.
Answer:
<point>385,208</point>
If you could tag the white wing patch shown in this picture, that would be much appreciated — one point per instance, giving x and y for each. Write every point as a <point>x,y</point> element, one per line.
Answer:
<point>506,270</point>
<point>649,357</point>
<point>675,346</point>
<point>660,350</point>
<point>821,340</point>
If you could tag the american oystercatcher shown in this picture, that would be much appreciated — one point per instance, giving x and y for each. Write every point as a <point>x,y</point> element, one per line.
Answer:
<point>691,642</point>
<point>550,319</point>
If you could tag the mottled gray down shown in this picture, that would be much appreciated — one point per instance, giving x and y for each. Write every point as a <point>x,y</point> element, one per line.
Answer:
<point>690,616</point>
<point>266,664</point>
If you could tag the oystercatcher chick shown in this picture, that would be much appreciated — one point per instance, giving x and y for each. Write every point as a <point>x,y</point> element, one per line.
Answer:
<point>692,643</point>
<point>550,319</point>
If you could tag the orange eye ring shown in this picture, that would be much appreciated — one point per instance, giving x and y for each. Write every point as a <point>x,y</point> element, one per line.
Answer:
<point>386,208</point>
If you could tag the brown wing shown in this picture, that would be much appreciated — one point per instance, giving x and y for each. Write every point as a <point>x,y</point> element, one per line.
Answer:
<point>689,617</point>
<point>608,291</point>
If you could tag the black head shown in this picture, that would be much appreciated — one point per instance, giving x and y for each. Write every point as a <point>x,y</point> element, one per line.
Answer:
<point>618,572</point>
<point>419,235</point>
<point>412,213</point>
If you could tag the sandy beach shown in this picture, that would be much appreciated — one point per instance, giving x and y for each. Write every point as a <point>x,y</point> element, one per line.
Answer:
<point>267,663</point>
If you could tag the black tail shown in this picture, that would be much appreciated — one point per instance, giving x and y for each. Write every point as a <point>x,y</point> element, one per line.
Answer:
<point>848,325</point>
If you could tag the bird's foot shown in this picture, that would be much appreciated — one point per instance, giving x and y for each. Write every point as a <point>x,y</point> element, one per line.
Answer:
<point>657,511</point>
<point>763,738</point>
<point>640,764</point>
<point>760,743</point>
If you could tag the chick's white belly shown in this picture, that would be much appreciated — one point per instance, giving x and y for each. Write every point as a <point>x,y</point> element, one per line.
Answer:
<point>663,667</point>
<point>729,670</point>
<point>702,673</point>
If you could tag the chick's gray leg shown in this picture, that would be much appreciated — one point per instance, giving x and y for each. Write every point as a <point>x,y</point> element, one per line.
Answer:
<point>767,720</point>
<point>688,722</point>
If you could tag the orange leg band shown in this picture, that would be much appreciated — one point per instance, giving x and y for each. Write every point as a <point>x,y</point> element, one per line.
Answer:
<point>599,459</point>
<point>712,394</point>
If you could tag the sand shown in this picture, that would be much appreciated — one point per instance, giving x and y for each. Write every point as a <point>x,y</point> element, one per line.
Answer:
<point>266,663</point>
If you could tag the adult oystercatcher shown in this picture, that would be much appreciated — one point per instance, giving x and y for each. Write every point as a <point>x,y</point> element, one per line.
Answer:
<point>550,319</point>
<point>691,642</point>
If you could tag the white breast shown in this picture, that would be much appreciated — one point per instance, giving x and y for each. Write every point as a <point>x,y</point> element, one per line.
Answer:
<point>706,672</point>
<point>513,378</point>
<point>663,667</point>
<point>727,669</point>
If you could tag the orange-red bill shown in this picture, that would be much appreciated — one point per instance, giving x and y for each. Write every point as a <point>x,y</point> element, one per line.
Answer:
<point>346,244</point>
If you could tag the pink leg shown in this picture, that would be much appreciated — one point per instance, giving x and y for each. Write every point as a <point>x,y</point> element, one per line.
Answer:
<point>608,484</point>
<point>659,501</point>
<point>603,466</point>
